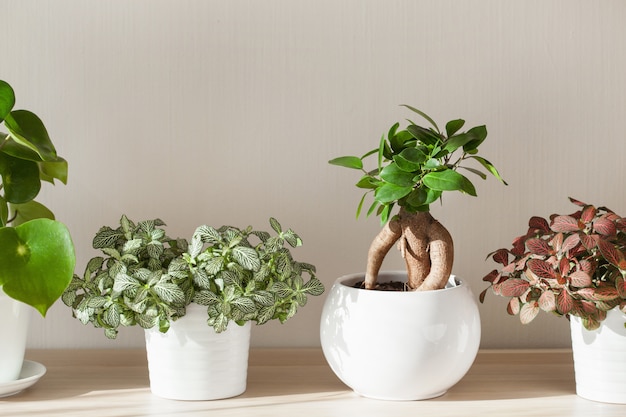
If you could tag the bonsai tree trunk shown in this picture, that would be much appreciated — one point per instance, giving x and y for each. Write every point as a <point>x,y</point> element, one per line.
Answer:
<point>425,245</point>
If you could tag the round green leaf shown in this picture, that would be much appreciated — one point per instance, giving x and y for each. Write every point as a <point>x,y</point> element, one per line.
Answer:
<point>30,211</point>
<point>37,262</point>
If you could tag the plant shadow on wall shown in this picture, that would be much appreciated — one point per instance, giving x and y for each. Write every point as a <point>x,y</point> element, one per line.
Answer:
<point>386,333</point>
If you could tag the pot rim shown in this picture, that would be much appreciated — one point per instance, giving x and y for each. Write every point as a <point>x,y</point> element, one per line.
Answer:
<point>346,281</point>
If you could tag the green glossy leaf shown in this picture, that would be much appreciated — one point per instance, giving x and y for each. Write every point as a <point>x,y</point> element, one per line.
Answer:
<point>7,99</point>
<point>448,180</point>
<point>54,170</point>
<point>425,136</point>
<point>410,159</point>
<point>20,179</point>
<point>394,175</point>
<point>453,126</point>
<point>11,147</point>
<point>367,182</point>
<point>347,162</point>
<point>400,140</point>
<point>28,130</point>
<point>4,212</point>
<point>422,196</point>
<point>475,171</point>
<point>455,142</point>
<point>424,115</point>
<point>479,134</point>
<point>489,167</point>
<point>30,211</point>
<point>389,193</point>
<point>38,262</point>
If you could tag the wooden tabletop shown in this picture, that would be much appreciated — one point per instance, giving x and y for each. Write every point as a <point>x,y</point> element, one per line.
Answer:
<point>298,382</point>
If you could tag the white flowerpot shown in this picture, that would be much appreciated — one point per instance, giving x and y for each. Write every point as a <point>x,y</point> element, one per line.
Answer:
<point>600,358</point>
<point>399,345</point>
<point>193,362</point>
<point>15,319</point>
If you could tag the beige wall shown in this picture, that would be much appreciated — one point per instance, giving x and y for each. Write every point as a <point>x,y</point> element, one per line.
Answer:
<point>227,112</point>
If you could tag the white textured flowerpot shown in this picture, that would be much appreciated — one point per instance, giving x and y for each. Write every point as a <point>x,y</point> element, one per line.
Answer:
<point>15,319</point>
<point>193,362</point>
<point>399,345</point>
<point>600,358</point>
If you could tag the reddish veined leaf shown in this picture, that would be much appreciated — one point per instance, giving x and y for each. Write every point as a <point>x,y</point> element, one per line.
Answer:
<point>580,279</point>
<point>587,266</point>
<point>492,276</point>
<point>547,301</point>
<point>604,226</point>
<point>557,242</point>
<point>564,266</point>
<point>598,294</point>
<point>570,242</point>
<point>513,307</point>
<point>621,224</point>
<point>519,245</point>
<point>588,307</point>
<point>610,252</point>
<point>589,241</point>
<point>482,295</point>
<point>577,202</point>
<point>501,256</point>
<point>528,312</point>
<point>538,246</point>
<point>541,268</point>
<point>589,212</point>
<point>620,285</point>
<point>514,287</point>
<point>565,224</point>
<point>539,223</point>
<point>508,268</point>
<point>564,302</point>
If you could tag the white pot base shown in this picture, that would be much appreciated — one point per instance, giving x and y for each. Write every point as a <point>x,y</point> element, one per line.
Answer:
<point>427,341</point>
<point>191,362</point>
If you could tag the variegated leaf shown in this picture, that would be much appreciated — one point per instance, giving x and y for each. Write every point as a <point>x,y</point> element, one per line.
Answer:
<point>564,302</point>
<point>565,224</point>
<point>529,311</point>
<point>547,301</point>
<point>541,268</point>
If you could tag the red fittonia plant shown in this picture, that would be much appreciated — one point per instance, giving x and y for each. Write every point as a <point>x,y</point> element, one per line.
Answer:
<point>572,265</point>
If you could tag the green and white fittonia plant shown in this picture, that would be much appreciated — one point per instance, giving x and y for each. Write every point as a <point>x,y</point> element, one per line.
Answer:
<point>147,278</point>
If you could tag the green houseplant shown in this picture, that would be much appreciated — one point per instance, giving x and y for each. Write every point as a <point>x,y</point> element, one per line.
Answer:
<point>573,266</point>
<point>413,167</point>
<point>227,276</point>
<point>36,252</point>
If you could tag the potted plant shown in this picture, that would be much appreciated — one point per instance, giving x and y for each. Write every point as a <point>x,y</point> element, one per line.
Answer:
<point>194,299</point>
<point>574,266</point>
<point>36,252</point>
<point>417,342</point>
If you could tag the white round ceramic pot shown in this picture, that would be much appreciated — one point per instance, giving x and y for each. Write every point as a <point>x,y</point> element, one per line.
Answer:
<point>193,362</point>
<point>15,320</point>
<point>399,345</point>
<point>600,358</point>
